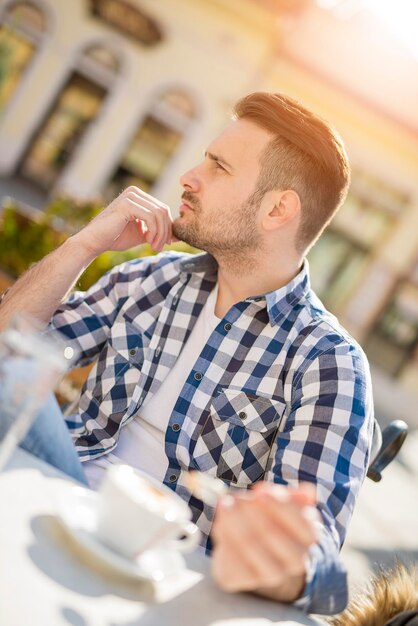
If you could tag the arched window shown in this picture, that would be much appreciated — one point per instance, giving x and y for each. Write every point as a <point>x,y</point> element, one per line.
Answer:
<point>100,64</point>
<point>104,57</point>
<point>129,19</point>
<point>77,105</point>
<point>22,27</point>
<point>154,143</point>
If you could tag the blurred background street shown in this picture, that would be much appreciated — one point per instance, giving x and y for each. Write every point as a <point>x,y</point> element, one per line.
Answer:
<point>99,94</point>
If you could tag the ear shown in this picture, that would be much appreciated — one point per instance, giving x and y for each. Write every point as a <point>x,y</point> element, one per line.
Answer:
<point>279,208</point>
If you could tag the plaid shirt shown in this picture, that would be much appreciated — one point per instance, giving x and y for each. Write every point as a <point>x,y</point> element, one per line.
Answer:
<point>280,392</point>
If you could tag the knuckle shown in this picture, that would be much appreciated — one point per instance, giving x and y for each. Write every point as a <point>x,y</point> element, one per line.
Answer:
<point>268,579</point>
<point>258,579</point>
<point>226,581</point>
<point>130,195</point>
<point>131,189</point>
<point>226,584</point>
<point>297,563</point>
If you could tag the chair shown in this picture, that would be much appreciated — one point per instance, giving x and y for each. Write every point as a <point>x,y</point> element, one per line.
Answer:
<point>385,447</point>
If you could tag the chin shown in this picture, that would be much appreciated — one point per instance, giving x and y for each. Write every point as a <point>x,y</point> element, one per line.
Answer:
<point>179,229</point>
<point>185,233</point>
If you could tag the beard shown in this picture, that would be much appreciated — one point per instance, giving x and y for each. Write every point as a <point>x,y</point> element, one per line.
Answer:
<point>231,235</point>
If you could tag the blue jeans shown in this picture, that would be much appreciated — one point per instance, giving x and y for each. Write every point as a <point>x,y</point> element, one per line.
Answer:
<point>49,439</point>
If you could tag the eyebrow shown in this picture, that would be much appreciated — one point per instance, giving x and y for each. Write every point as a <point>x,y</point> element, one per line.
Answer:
<point>215,157</point>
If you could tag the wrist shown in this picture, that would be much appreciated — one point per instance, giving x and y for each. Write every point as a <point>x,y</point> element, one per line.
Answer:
<point>289,591</point>
<point>76,246</point>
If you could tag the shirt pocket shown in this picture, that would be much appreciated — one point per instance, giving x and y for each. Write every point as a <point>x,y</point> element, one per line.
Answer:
<point>113,380</point>
<point>235,441</point>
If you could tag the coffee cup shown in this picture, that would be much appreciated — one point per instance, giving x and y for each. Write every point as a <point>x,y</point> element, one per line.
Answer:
<point>137,513</point>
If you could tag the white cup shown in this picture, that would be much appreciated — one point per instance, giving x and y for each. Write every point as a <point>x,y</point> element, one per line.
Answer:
<point>136,513</point>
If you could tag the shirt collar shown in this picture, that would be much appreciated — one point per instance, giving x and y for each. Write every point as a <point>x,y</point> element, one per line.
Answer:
<point>279,302</point>
<point>203,263</point>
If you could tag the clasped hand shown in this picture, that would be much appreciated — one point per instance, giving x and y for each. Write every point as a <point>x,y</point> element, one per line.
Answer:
<point>261,540</point>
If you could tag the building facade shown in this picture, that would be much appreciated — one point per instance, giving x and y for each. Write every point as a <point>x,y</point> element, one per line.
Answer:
<point>99,94</point>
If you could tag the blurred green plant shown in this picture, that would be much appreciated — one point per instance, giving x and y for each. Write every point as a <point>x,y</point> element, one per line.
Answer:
<point>26,236</point>
<point>5,56</point>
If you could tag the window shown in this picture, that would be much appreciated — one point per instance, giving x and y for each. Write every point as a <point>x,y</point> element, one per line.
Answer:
<point>336,263</point>
<point>394,339</point>
<point>21,30</point>
<point>153,145</point>
<point>100,56</point>
<point>76,107</point>
<point>129,19</point>
<point>176,100</point>
<point>100,65</point>
<point>341,256</point>
<point>52,148</point>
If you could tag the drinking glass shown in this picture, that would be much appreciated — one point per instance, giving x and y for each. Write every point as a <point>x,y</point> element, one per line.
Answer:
<point>31,364</point>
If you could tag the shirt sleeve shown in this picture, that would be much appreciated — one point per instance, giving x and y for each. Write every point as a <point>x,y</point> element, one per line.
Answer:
<point>326,441</point>
<point>86,317</point>
<point>326,589</point>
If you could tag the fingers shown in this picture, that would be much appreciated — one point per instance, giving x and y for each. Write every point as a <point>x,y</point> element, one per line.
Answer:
<point>133,218</point>
<point>303,494</point>
<point>261,539</point>
<point>283,546</point>
<point>290,517</point>
<point>248,562</point>
<point>231,573</point>
<point>154,213</point>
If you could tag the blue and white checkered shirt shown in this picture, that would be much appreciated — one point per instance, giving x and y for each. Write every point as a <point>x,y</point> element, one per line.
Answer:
<point>280,391</point>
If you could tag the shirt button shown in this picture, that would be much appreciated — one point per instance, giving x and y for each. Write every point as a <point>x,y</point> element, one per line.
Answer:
<point>157,352</point>
<point>227,326</point>
<point>176,427</point>
<point>175,300</point>
<point>172,478</point>
<point>198,376</point>
<point>242,415</point>
<point>141,401</point>
<point>133,351</point>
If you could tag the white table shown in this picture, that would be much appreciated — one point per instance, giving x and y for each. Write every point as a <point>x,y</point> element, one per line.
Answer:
<point>46,580</point>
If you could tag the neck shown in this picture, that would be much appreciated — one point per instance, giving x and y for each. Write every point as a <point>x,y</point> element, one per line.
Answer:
<point>254,279</point>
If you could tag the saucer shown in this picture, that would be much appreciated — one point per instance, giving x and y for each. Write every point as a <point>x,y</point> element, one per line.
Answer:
<point>77,512</point>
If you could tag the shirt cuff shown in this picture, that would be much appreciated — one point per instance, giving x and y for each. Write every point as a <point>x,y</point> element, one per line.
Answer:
<point>326,590</point>
<point>304,600</point>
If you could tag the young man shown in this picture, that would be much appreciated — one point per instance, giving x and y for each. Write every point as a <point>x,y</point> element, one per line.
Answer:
<point>225,362</point>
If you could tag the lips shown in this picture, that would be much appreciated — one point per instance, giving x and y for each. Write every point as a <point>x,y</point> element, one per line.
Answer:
<point>185,207</point>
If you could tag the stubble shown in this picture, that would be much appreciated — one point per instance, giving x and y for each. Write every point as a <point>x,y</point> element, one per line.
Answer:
<point>229,235</point>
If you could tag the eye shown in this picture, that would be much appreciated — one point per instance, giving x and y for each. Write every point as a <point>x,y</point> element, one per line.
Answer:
<point>219,166</point>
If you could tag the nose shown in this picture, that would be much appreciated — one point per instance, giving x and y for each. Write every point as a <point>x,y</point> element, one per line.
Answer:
<point>190,180</point>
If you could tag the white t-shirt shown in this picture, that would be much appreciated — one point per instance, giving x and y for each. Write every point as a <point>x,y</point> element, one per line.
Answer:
<point>142,441</point>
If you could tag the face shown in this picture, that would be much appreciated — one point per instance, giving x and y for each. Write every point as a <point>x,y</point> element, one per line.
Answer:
<point>219,212</point>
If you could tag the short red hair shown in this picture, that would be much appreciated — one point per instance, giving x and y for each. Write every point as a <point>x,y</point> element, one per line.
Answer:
<point>305,154</point>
